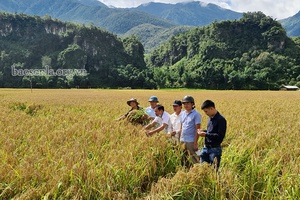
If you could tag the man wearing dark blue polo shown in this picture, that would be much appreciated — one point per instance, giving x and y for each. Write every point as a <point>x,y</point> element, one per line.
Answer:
<point>214,135</point>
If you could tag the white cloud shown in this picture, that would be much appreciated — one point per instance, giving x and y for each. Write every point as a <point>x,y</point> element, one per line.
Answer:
<point>221,3</point>
<point>275,8</point>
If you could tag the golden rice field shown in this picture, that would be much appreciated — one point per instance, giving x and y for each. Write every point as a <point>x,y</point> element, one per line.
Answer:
<point>64,144</point>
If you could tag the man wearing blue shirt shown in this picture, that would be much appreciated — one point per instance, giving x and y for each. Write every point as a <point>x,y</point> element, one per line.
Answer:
<point>190,124</point>
<point>214,135</point>
<point>153,100</point>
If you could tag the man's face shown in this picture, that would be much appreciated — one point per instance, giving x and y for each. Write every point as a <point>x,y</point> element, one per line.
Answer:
<point>158,112</point>
<point>209,112</point>
<point>188,106</point>
<point>133,104</point>
<point>177,108</point>
<point>153,104</point>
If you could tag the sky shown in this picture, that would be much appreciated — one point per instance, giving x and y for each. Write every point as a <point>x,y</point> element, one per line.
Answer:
<point>278,9</point>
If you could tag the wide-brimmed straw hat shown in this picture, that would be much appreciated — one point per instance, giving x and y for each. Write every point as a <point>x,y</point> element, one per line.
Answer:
<point>132,100</point>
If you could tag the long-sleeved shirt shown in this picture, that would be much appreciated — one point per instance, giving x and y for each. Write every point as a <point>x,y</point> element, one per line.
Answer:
<point>175,124</point>
<point>216,129</point>
<point>138,108</point>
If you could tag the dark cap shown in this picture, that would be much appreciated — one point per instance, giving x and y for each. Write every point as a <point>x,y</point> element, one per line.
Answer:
<point>188,99</point>
<point>177,103</point>
<point>153,99</point>
<point>132,100</point>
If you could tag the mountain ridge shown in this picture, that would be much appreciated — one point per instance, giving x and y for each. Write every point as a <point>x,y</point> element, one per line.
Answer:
<point>292,24</point>
<point>189,13</point>
<point>85,12</point>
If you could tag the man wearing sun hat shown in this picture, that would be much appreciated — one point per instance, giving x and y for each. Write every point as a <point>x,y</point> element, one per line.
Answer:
<point>153,100</point>
<point>134,104</point>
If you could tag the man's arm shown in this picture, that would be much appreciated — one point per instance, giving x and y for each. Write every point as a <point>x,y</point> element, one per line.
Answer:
<point>172,130</point>
<point>151,118</point>
<point>198,126</point>
<point>122,117</point>
<point>179,133</point>
<point>198,120</point>
<point>152,124</point>
<point>157,129</point>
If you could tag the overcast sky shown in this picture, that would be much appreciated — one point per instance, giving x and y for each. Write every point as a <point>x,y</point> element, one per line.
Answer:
<point>278,9</point>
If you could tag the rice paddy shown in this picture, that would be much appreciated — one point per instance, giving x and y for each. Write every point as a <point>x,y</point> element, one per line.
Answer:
<point>65,144</point>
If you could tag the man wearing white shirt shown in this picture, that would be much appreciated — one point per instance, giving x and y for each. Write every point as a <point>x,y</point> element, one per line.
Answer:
<point>162,119</point>
<point>175,121</point>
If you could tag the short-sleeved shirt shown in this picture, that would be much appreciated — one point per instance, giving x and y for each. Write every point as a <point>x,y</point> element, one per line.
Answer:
<point>150,111</point>
<point>164,119</point>
<point>189,122</point>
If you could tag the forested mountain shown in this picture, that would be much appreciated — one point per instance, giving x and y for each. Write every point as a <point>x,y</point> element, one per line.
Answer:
<point>88,12</point>
<point>194,13</point>
<point>292,25</point>
<point>121,20</point>
<point>251,53</point>
<point>124,21</point>
<point>152,36</point>
<point>164,18</point>
<point>35,43</point>
<point>186,15</point>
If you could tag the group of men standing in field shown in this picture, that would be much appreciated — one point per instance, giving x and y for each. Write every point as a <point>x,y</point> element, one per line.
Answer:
<point>184,127</point>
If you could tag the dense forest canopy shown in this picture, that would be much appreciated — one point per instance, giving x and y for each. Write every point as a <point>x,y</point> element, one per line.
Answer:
<point>251,53</point>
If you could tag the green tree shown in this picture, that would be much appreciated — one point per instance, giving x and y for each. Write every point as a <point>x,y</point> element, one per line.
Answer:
<point>72,57</point>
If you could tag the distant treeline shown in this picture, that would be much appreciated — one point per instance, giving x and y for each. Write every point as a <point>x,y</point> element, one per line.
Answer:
<point>251,53</point>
